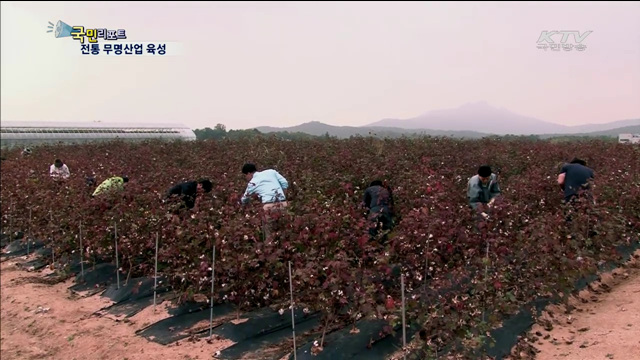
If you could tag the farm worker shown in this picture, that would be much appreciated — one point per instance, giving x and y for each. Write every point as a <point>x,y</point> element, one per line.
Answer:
<point>112,183</point>
<point>269,185</point>
<point>574,177</point>
<point>58,170</point>
<point>575,180</point>
<point>378,199</point>
<point>90,181</point>
<point>483,189</point>
<point>189,191</point>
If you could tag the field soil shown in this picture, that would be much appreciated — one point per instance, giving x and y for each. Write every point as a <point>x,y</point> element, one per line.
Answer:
<point>603,322</point>
<point>44,321</point>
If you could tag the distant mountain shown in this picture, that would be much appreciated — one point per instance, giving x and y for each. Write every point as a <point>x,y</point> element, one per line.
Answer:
<point>317,128</point>
<point>608,127</point>
<point>610,133</point>
<point>484,118</point>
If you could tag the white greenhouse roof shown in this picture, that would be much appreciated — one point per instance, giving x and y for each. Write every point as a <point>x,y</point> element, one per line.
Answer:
<point>89,125</point>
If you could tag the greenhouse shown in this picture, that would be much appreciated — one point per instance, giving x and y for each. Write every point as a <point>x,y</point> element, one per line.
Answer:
<point>13,133</point>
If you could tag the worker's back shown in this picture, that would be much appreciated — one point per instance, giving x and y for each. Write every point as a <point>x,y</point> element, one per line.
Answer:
<point>109,184</point>
<point>577,177</point>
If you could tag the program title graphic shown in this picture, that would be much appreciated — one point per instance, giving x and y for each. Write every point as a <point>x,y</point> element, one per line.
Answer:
<point>92,35</point>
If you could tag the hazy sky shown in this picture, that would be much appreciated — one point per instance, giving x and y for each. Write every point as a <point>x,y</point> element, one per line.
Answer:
<point>282,64</point>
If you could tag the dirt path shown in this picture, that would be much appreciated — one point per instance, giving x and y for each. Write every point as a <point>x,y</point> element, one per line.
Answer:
<point>40,321</point>
<point>605,323</point>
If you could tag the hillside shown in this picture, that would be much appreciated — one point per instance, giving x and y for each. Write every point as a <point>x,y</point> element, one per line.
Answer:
<point>320,129</point>
<point>484,118</point>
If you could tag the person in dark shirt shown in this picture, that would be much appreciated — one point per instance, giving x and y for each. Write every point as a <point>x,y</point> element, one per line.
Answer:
<point>189,191</point>
<point>575,180</point>
<point>483,188</point>
<point>378,199</point>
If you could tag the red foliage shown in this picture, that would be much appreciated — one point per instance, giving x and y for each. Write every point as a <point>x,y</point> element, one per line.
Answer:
<point>523,249</point>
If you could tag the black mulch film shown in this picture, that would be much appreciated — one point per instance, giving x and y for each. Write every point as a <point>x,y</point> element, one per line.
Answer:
<point>33,265</point>
<point>188,308</point>
<point>131,307</point>
<point>5,239</point>
<point>135,296</point>
<point>135,289</point>
<point>341,344</point>
<point>96,279</point>
<point>74,266</point>
<point>43,251</point>
<point>506,336</point>
<point>67,265</point>
<point>260,322</point>
<point>386,346</point>
<point>181,326</point>
<point>19,248</point>
<point>370,343</point>
<point>42,256</point>
<point>264,329</point>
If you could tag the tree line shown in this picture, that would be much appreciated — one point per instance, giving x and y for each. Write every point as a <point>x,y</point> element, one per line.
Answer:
<point>220,132</point>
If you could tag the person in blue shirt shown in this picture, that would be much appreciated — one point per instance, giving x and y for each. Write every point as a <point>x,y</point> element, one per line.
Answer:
<point>269,186</point>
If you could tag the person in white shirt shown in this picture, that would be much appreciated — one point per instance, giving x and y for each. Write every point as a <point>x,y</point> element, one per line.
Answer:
<point>269,185</point>
<point>59,170</point>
